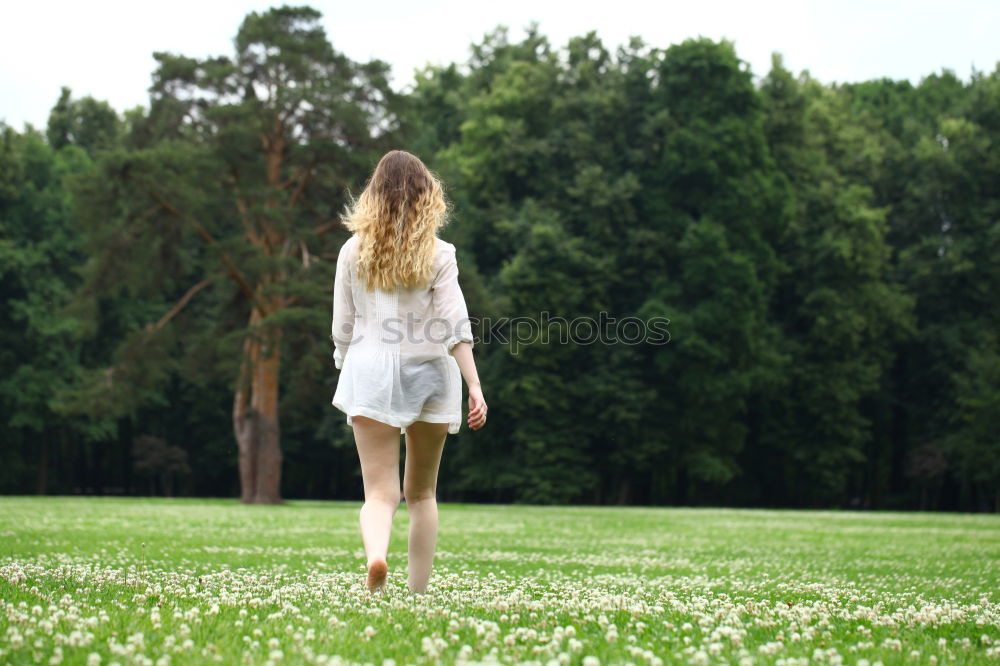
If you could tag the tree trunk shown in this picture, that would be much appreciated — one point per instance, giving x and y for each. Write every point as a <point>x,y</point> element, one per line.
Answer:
<point>99,454</point>
<point>255,416</point>
<point>244,422</point>
<point>84,465</point>
<point>255,406</point>
<point>624,491</point>
<point>41,480</point>
<point>66,474</point>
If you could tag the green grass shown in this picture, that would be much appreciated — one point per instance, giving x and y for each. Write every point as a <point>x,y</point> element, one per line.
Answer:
<point>221,582</point>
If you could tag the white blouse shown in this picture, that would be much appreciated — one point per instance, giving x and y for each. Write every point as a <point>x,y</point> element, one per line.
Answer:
<point>393,347</point>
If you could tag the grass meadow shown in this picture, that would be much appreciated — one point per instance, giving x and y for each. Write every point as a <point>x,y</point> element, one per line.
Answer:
<point>220,582</point>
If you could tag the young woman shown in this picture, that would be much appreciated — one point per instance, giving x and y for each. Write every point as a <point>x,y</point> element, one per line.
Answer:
<point>402,335</point>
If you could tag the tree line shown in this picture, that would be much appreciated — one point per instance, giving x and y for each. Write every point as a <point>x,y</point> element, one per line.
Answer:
<point>826,256</point>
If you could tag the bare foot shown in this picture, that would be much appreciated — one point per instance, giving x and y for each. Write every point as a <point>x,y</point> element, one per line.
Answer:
<point>377,572</point>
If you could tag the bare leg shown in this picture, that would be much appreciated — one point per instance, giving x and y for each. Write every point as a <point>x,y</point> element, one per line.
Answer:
<point>378,450</point>
<point>424,445</point>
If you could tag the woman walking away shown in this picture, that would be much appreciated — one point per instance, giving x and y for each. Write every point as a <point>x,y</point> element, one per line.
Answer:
<point>402,335</point>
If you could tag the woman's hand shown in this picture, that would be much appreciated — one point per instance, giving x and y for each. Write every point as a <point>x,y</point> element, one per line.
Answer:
<point>477,407</point>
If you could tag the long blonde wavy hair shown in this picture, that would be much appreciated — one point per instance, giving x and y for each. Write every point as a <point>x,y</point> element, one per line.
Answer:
<point>396,219</point>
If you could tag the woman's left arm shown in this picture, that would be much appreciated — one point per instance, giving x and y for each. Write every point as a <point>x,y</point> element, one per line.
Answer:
<point>344,310</point>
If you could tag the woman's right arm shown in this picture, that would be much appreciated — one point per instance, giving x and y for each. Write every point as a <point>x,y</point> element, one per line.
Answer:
<point>344,310</point>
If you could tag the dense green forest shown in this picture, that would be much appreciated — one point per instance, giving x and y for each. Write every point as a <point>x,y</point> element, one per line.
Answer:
<point>828,258</point>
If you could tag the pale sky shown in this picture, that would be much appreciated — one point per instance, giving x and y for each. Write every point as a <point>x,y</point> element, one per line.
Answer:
<point>104,48</point>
